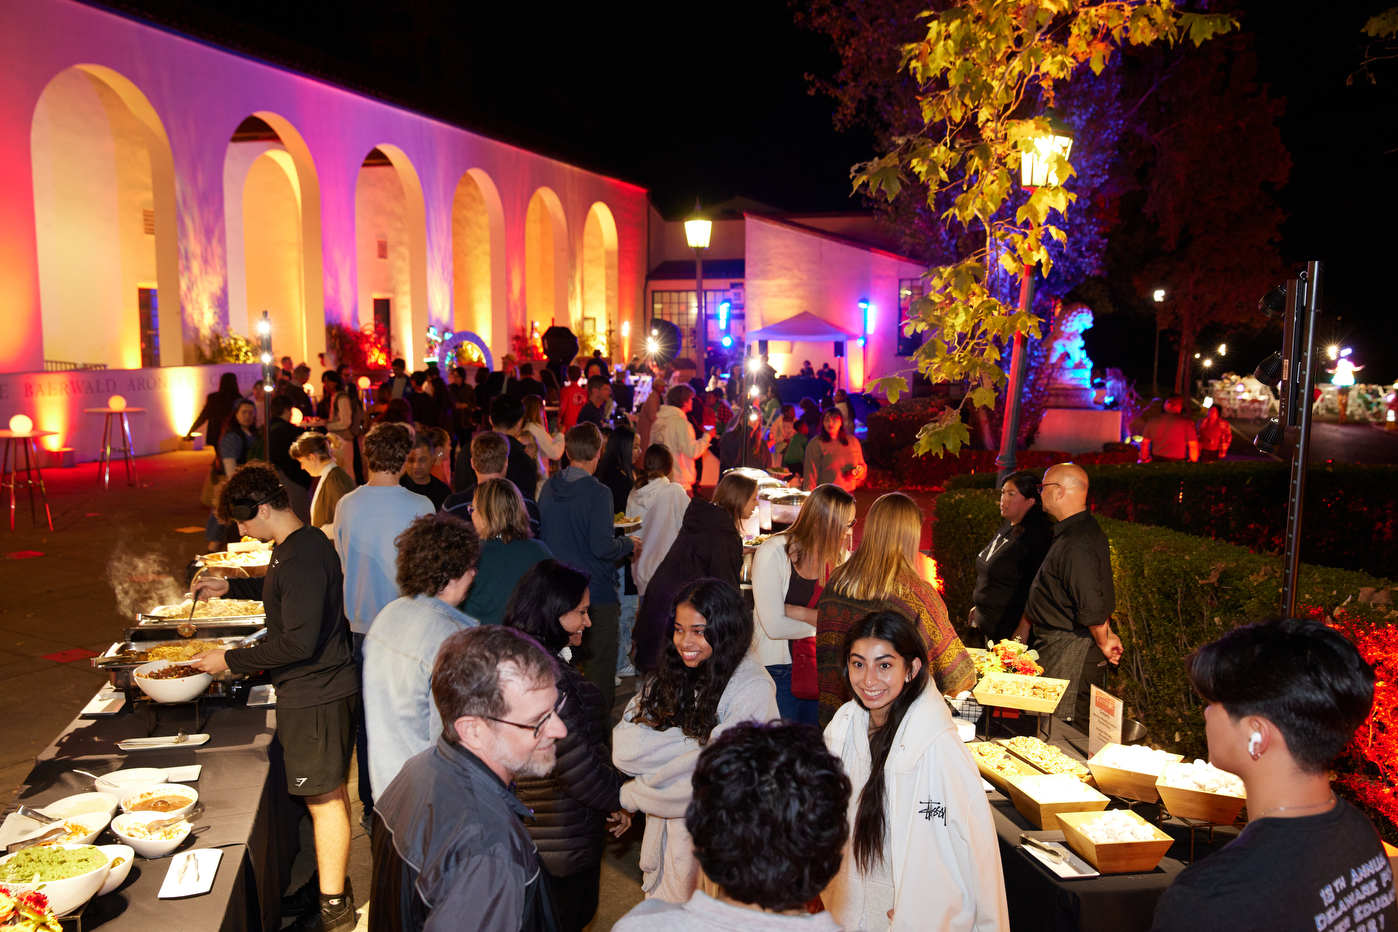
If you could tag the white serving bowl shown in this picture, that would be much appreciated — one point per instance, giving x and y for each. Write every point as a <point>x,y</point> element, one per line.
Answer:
<point>133,778</point>
<point>181,689</point>
<point>67,895</point>
<point>146,847</point>
<point>165,789</point>
<point>70,806</point>
<point>93,822</point>
<point>116,876</point>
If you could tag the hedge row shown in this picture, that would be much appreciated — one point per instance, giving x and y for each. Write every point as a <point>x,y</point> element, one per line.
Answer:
<point>1175,592</point>
<point>1351,517</point>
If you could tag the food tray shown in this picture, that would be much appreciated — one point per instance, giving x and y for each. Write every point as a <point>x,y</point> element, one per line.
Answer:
<point>147,618</point>
<point>1126,784</point>
<point>243,559</point>
<point>121,674</point>
<point>1000,781</point>
<point>1198,805</point>
<point>987,696</point>
<point>1045,814</point>
<point>1121,857</point>
<point>1085,777</point>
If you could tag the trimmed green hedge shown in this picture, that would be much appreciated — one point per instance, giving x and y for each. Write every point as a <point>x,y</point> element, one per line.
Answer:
<point>1351,519</point>
<point>1174,592</point>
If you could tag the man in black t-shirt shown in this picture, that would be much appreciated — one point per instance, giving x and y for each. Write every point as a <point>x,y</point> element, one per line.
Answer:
<point>308,655</point>
<point>599,392</point>
<point>1285,697</point>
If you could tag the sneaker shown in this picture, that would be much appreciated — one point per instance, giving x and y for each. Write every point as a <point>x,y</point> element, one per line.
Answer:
<point>616,681</point>
<point>627,670</point>
<point>336,914</point>
<point>305,900</point>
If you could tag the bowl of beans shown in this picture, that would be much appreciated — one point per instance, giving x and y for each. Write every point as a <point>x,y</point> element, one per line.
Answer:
<point>170,681</point>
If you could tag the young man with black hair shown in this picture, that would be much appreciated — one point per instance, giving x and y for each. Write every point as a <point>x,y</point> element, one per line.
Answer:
<point>506,416</point>
<point>526,384</point>
<point>599,392</point>
<point>1284,698</point>
<point>768,853</point>
<point>308,655</point>
<point>398,384</point>
<point>489,454</point>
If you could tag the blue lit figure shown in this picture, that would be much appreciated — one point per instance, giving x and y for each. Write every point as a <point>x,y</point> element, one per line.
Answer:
<point>723,310</point>
<point>1342,377</point>
<point>868,313</point>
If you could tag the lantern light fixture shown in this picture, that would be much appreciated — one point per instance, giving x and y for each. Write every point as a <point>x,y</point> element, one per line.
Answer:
<point>697,229</point>
<point>1037,166</point>
<point>1159,295</point>
<point>21,425</point>
<point>116,403</point>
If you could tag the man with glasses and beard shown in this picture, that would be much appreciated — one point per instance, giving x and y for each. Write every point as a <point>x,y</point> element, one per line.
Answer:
<point>450,850</point>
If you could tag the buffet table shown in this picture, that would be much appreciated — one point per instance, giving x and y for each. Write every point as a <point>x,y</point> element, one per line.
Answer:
<point>248,813</point>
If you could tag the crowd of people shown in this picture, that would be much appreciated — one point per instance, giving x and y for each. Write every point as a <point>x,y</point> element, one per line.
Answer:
<point>466,648</point>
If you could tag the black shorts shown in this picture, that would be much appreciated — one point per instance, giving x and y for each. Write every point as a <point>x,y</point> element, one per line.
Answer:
<point>317,743</point>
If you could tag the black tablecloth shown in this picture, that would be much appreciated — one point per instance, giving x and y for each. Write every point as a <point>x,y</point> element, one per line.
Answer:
<point>248,813</point>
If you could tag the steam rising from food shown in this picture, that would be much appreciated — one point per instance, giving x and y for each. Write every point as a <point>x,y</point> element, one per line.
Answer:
<point>141,581</point>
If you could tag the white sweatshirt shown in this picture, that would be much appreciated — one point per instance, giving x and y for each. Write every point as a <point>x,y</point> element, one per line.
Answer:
<point>662,504</point>
<point>663,762</point>
<point>673,429</point>
<point>941,851</point>
<point>772,628</point>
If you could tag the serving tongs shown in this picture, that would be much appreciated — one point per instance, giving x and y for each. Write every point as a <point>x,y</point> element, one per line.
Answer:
<point>125,657</point>
<point>55,832</point>
<point>1053,854</point>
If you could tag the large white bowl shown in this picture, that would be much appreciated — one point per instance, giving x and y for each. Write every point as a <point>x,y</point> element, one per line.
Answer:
<point>145,847</point>
<point>93,822</point>
<point>165,789</point>
<point>116,876</point>
<point>182,689</point>
<point>133,778</point>
<point>67,895</point>
<point>81,803</point>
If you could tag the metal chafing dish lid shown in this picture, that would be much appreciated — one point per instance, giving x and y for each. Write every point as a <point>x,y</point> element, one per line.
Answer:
<point>764,479</point>
<point>784,495</point>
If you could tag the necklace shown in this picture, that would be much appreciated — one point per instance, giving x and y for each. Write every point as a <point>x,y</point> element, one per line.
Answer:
<point>1311,806</point>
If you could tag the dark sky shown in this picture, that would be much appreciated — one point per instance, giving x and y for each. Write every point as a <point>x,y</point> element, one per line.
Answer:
<point>710,100</point>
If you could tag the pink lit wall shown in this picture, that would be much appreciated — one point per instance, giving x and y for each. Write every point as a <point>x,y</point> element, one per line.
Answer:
<point>196,94</point>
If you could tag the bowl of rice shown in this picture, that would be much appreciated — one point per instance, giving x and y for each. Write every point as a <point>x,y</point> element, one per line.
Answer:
<point>130,827</point>
<point>70,874</point>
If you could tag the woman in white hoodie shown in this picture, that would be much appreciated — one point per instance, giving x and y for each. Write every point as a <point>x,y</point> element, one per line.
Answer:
<point>661,503</point>
<point>705,682</point>
<point>923,850</point>
<point>788,571</point>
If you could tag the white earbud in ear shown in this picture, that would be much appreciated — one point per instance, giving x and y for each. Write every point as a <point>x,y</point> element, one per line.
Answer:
<point>1254,740</point>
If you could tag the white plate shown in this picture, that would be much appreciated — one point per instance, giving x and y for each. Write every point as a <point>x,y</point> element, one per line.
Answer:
<point>145,744</point>
<point>186,774</point>
<point>195,881</point>
<point>627,524</point>
<point>108,701</point>
<point>263,696</point>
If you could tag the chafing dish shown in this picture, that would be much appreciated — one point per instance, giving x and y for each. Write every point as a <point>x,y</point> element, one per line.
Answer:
<point>785,503</point>
<point>181,616</point>
<point>123,657</point>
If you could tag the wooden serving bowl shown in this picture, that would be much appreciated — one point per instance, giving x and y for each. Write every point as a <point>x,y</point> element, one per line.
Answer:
<point>999,781</point>
<point>1126,784</point>
<point>1045,814</point>
<point>1199,805</point>
<point>1121,857</point>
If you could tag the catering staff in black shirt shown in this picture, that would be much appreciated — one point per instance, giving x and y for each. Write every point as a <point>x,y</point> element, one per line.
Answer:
<point>308,655</point>
<point>1006,567</point>
<point>1072,598</point>
<point>1284,699</point>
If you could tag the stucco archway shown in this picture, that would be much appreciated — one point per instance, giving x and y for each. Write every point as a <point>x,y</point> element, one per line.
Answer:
<point>545,263</point>
<point>478,259</point>
<point>391,243</point>
<point>599,281</point>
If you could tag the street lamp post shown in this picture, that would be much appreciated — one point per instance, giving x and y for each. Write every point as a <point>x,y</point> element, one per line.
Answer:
<point>264,339</point>
<point>1036,170</point>
<point>696,230</point>
<point>1155,361</point>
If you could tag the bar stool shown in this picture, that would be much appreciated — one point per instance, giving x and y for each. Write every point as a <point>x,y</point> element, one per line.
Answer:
<point>15,441</point>
<point>116,428</point>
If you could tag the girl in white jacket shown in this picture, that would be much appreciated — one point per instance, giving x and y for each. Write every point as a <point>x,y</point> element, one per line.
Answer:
<point>662,504</point>
<point>923,851</point>
<point>786,571</point>
<point>705,682</point>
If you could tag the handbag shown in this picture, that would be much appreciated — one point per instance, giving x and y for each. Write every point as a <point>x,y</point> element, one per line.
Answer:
<point>804,682</point>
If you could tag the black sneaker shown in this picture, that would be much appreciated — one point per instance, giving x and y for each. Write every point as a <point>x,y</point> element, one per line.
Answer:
<point>305,900</point>
<point>336,914</point>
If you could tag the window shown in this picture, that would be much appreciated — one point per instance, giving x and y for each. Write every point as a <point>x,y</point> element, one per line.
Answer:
<point>383,320</point>
<point>149,315</point>
<point>383,248</point>
<point>681,308</point>
<point>148,222</point>
<point>909,290</point>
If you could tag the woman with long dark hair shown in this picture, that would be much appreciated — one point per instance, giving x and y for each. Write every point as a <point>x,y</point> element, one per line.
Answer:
<point>708,544</point>
<point>616,470</point>
<point>235,444</point>
<point>704,681</point>
<point>923,850</point>
<point>834,456</point>
<point>217,407</point>
<point>574,803</point>
<point>1006,566</point>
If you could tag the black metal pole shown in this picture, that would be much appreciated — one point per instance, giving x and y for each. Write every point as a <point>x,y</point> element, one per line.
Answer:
<point>1303,368</point>
<point>702,331</point>
<point>1009,426</point>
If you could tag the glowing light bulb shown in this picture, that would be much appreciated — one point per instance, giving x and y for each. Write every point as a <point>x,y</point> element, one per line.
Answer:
<point>626,328</point>
<point>1208,362</point>
<point>297,416</point>
<point>1160,294</point>
<point>363,381</point>
<point>652,345</point>
<point>21,424</point>
<point>752,392</point>
<point>1208,403</point>
<point>1333,352</point>
<point>1223,349</point>
<point>266,359</point>
<point>754,363</point>
<point>264,326</point>
<point>116,403</point>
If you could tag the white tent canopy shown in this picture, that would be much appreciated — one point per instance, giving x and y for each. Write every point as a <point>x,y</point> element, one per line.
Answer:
<point>804,327</point>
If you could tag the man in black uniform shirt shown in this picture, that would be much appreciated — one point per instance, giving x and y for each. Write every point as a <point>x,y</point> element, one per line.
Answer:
<point>599,392</point>
<point>1284,698</point>
<point>1072,597</point>
<point>307,652</point>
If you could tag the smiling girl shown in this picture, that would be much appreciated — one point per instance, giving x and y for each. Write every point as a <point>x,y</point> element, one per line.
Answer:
<point>704,682</point>
<point>923,852</point>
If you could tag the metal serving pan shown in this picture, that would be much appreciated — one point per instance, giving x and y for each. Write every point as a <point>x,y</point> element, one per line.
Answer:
<point>146,618</point>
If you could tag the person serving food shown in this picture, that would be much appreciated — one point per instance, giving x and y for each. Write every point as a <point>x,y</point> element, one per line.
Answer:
<point>308,655</point>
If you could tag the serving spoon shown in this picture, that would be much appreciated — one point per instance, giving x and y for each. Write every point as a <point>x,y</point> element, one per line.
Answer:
<point>86,773</point>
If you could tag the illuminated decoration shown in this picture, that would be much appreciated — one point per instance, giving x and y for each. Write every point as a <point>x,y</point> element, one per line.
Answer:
<point>1208,402</point>
<point>21,424</point>
<point>626,328</point>
<point>363,382</point>
<point>297,416</point>
<point>536,340</point>
<point>1346,351</point>
<point>1159,295</point>
<point>1332,351</point>
<point>1223,349</point>
<point>116,403</point>
<point>1038,166</point>
<point>1070,369</point>
<point>435,342</point>
<point>723,308</point>
<point>867,314</point>
<point>727,341</point>
<point>1208,363</point>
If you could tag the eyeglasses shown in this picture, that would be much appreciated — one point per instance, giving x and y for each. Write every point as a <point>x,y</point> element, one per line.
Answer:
<point>1043,485</point>
<point>536,729</point>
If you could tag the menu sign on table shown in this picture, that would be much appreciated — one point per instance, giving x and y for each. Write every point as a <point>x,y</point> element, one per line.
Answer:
<point>1104,721</point>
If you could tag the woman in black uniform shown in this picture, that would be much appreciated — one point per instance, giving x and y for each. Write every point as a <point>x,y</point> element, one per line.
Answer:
<point>1007,565</point>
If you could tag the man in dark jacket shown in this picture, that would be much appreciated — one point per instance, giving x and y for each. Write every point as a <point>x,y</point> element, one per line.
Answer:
<point>506,416</point>
<point>576,513</point>
<point>450,851</point>
<point>281,434</point>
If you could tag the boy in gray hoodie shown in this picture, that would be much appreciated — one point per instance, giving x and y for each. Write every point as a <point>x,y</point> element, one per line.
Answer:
<point>575,512</point>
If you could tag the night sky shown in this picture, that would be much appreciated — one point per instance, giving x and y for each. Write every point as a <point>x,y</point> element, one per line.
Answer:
<point>712,101</point>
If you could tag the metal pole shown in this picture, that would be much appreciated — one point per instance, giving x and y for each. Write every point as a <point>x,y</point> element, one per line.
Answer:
<point>1155,360</point>
<point>1304,380</point>
<point>702,334</point>
<point>1009,427</point>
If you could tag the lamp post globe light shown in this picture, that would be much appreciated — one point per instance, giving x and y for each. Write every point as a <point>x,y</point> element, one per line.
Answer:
<point>696,232</point>
<point>1038,167</point>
